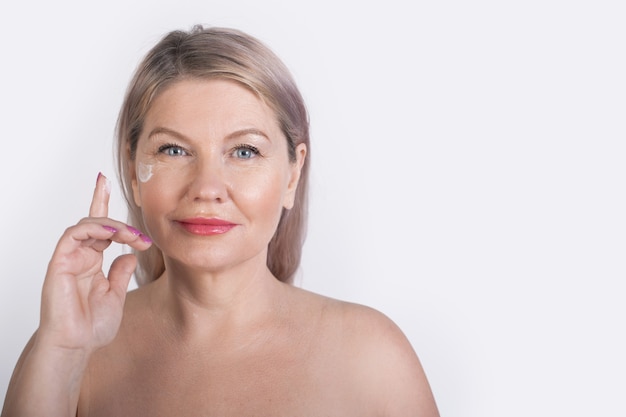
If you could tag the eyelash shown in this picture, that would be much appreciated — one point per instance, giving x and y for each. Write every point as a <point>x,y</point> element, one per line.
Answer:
<point>167,146</point>
<point>250,148</point>
<point>164,148</point>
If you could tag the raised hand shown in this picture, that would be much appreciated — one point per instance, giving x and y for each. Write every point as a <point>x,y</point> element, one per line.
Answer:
<point>81,310</point>
<point>81,307</point>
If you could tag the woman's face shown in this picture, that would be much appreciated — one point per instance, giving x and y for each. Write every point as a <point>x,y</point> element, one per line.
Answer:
<point>212,174</point>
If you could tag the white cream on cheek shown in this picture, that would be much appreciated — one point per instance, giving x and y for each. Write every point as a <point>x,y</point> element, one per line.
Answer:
<point>144,172</point>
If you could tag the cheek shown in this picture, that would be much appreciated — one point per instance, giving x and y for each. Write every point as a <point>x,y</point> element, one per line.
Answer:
<point>161,187</point>
<point>155,183</point>
<point>264,195</point>
<point>154,170</point>
<point>144,172</point>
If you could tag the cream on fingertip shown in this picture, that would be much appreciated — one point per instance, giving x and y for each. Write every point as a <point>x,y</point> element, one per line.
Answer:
<point>107,182</point>
<point>107,186</point>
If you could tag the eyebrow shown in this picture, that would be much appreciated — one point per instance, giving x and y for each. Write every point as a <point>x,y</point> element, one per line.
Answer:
<point>245,132</point>
<point>164,130</point>
<point>233,135</point>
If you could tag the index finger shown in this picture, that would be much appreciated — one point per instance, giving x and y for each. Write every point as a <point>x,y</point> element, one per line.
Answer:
<point>100,201</point>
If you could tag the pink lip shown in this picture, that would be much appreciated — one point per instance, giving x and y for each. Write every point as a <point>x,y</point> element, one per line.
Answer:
<point>206,227</point>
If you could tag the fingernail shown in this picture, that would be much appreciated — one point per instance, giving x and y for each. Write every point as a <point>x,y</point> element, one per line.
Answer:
<point>134,231</point>
<point>110,229</point>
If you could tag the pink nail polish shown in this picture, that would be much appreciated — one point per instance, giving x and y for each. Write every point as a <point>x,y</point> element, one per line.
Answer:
<point>134,231</point>
<point>146,239</point>
<point>110,229</point>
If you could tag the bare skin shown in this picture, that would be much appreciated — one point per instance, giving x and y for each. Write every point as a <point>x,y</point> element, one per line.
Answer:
<point>306,355</point>
<point>81,311</point>
<point>217,334</point>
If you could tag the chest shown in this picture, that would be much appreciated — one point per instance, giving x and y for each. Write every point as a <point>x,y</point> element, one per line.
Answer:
<point>265,383</point>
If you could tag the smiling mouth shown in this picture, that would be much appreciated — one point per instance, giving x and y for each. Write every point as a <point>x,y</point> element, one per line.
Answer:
<point>206,227</point>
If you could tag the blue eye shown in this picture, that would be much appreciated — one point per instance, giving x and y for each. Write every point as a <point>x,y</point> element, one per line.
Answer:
<point>172,150</point>
<point>245,152</point>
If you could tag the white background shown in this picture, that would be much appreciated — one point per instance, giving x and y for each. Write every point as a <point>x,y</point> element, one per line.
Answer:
<point>468,173</point>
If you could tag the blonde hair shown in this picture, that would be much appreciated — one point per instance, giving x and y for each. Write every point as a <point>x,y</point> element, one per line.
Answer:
<point>232,54</point>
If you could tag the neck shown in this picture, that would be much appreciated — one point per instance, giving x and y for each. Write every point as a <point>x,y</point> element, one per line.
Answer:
<point>198,301</point>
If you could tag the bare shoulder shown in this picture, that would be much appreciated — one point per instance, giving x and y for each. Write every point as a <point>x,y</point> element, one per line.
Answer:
<point>376,354</point>
<point>360,326</point>
<point>387,362</point>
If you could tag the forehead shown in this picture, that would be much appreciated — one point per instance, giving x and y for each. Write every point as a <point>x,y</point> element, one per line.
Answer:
<point>217,104</point>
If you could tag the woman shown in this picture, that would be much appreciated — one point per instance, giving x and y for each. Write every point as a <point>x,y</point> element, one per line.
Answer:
<point>213,152</point>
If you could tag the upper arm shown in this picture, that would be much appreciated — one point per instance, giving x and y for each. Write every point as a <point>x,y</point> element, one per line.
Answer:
<point>18,366</point>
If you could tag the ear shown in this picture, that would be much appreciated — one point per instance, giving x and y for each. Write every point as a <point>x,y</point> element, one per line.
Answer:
<point>294,176</point>
<point>132,169</point>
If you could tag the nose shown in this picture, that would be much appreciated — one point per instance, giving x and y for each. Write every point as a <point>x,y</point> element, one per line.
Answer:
<point>208,182</point>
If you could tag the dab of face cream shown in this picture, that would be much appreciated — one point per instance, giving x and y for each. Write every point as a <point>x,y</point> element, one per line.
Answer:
<point>144,172</point>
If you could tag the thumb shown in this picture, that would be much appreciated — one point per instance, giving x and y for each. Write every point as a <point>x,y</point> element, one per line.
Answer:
<point>120,272</point>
